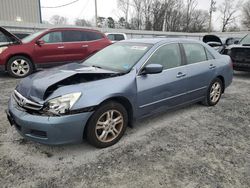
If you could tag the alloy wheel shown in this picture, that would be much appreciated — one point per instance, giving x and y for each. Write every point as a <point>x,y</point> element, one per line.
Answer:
<point>20,67</point>
<point>109,126</point>
<point>215,92</point>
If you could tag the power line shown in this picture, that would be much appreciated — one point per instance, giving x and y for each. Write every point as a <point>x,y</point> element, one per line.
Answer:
<point>84,7</point>
<point>59,6</point>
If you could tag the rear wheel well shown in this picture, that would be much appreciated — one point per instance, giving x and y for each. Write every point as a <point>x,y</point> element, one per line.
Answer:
<point>223,82</point>
<point>24,55</point>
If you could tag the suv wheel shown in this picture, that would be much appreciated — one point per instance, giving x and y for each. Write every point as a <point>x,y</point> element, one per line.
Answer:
<point>19,66</point>
<point>107,125</point>
<point>214,93</point>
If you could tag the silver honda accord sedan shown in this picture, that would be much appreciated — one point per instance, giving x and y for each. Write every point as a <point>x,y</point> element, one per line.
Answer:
<point>129,80</point>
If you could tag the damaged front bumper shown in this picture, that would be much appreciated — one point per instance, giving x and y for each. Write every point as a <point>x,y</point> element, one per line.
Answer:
<point>48,130</point>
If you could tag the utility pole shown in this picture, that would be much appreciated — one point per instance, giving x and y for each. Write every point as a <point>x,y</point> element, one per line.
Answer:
<point>96,24</point>
<point>127,7</point>
<point>212,9</point>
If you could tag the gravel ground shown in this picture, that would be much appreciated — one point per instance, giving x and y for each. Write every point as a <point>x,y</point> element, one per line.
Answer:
<point>195,146</point>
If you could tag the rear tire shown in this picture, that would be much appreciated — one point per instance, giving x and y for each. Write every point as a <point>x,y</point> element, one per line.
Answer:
<point>19,66</point>
<point>214,93</point>
<point>107,125</point>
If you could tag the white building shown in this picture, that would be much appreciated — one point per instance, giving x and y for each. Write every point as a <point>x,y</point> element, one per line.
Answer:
<point>28,11</point>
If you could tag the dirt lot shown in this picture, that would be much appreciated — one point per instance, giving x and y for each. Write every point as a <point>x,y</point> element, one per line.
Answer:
<point>192,147</point>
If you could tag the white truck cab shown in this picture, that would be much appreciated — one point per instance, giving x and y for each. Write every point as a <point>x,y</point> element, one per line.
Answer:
<point>115,37</point>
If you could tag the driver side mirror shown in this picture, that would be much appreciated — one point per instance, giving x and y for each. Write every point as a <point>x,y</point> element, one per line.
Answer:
<point>152,69</point>
<point>40,42</point>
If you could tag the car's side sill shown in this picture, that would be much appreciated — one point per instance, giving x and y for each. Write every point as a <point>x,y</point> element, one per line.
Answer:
<point>170,108</point>
<point>189,92</point>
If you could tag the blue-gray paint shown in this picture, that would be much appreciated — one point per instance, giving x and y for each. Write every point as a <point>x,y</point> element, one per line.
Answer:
<point>147,94</point>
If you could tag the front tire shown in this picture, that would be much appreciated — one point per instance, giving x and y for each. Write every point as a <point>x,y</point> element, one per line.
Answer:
<point>107,125</point>
<point>19,66</point>
<point>214,93</point>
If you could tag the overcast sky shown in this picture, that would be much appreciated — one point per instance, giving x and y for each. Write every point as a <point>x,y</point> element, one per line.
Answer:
<point>85,9</point>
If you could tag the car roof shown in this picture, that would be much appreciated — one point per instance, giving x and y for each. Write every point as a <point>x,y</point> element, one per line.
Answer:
<point>158,40</point>
<point>115,33</point>
<point>73,28</point>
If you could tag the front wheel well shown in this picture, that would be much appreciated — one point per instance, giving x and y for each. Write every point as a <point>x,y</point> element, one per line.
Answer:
<point>21,54</point>
<point>123,101</point>
<point>126,103</point>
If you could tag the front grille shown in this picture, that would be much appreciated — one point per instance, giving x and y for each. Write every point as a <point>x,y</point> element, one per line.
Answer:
<point>26,103</point>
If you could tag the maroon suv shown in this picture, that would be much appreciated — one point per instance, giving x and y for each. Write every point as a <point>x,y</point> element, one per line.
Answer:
<point>47,48</point>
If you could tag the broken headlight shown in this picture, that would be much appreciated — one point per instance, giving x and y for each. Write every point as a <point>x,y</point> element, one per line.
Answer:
<point>62,104</point>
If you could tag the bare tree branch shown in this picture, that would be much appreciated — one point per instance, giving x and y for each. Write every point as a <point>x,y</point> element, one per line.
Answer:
<point>228,9</point>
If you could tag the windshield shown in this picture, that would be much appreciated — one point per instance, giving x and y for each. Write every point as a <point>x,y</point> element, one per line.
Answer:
<point>31,37</point>
<point>119,57</point>
<point>245,40</point>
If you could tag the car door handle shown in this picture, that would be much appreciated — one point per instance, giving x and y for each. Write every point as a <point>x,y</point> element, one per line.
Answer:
<point>60,47</point>
<point>85,46</point>
<point>180,75</point>
<point>211,66</point>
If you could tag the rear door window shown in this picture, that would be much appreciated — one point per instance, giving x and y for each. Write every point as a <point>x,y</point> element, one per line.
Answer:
<point>93,36</point>
<point>195,53</point>
<point>73,36</point>
<point>53,37</point>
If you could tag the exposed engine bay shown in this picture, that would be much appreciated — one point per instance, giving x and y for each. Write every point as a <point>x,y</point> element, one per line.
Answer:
<point>79,78</point>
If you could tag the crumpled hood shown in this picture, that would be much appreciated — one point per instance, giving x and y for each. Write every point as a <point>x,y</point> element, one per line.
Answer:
<point>35,86</point>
